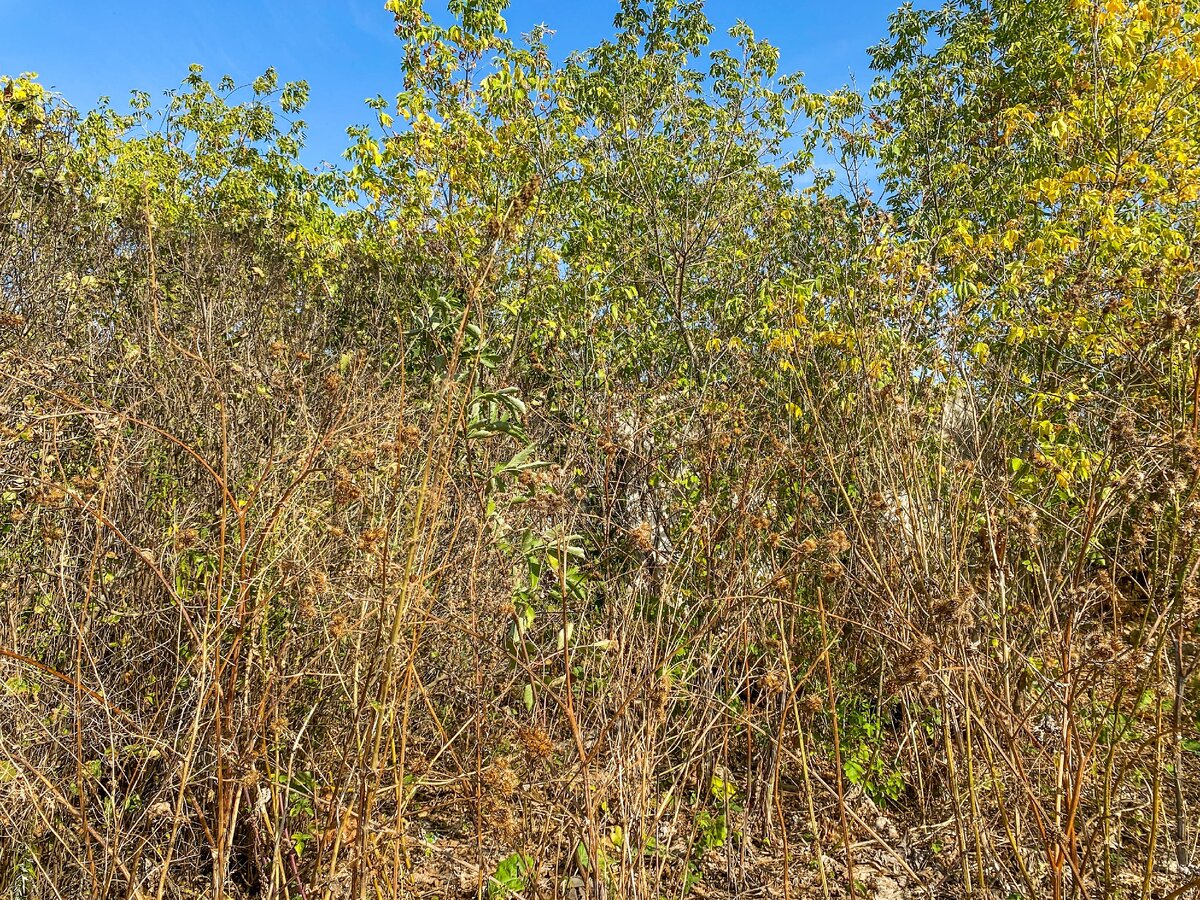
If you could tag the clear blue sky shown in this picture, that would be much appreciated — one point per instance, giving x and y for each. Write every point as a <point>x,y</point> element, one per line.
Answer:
<point>346,51</point>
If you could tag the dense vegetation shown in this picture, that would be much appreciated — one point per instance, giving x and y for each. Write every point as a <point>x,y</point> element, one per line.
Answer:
<point>583,493</point>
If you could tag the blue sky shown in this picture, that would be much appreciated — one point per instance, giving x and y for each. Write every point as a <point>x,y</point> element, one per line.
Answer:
<point>346,51</point>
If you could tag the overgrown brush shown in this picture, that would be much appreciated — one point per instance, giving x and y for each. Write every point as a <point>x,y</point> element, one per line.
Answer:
<point>582,494</point>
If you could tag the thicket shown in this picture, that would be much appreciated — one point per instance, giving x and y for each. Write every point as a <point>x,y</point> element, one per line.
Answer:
<point>582,490</point>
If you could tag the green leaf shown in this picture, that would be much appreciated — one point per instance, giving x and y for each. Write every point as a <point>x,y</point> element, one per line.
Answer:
<point>511,876</point>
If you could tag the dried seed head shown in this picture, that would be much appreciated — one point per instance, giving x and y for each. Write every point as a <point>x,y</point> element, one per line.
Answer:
<point>306,607</point>
<point>643,537</point>
<point>811,705</point>
<point>837,543</point>
<point>1124,428</point>
<point>318,583</point>
<point>773,682</point>
<point>537,742</point>
<point>832,571</point>
<point>345,490</point>
<point>339,626</point>
<point>362,457</point>
<point>407,436</point>
<point>500,779</point>
<point>416,763</point>
<point>370,539</point>
<point>186,538</point>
